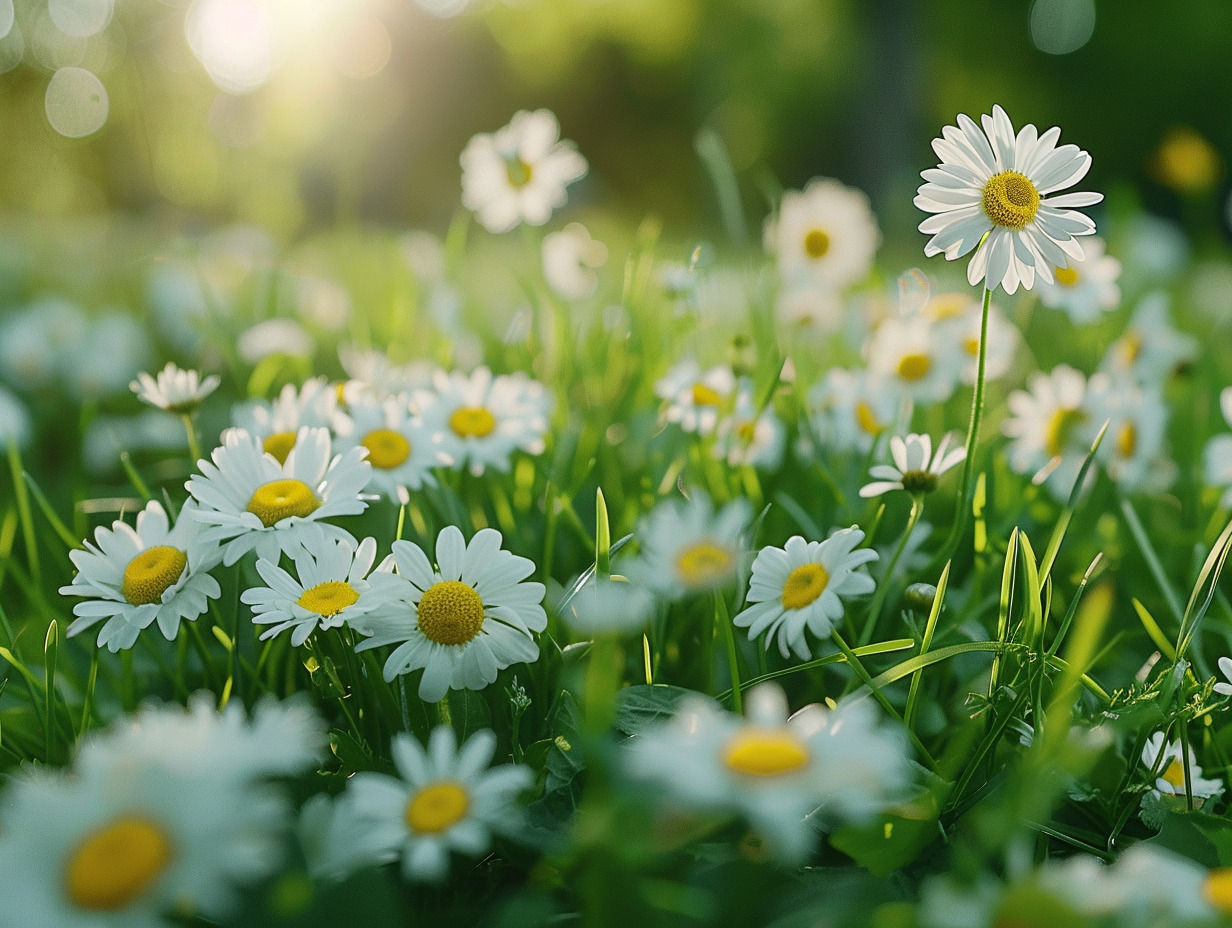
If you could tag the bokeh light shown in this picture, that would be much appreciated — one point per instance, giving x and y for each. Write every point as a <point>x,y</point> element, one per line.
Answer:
<point>81,18</point>
<point>76,102</point>
<point>1059,27</point>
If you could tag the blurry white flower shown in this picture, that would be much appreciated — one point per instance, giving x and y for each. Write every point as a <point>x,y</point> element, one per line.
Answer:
<point>826,233</point>
<point>277,422</point>
<point>570,259</point>
<point>1150,350</point>
<point>1133,448</point>
<point>274,336</point>
<point>909,354</point>
<point>916,469</point>
<point>696,399</point>
<point>1088,287</point>
<point>812,307</point>
<point>325,303</point>
<point>174,390</point>
<point>372,371</point>
<point>749,438</point>
<point>15,424</point>
<point>1217,455</point>
<point>112,352</point>
<point>689,548</point>
<point>519,173</point>
<point>1224,686</point>
<point>1051,425</point>
<point>1168,760</point>
<point>181,310</point>
<point>1154,250</point>
<point>851,408</point>
<point>606,606</point>
<point>40,341</point>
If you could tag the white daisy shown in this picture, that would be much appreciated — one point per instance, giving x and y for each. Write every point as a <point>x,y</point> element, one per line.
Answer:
<point>519,173</point>
<point>15,423</point>
<point>251,502</point>
<point>916,469</point>
<point>401,449</point>
<point>276,422</point>
<point>1224,686</point>
<point>787,776</point>
<point>802,586</point>
<point>1050,426</point>
<point>1132,451</point>
<point>826,233</point>
<point>174,390</point>
<point>485,418</point>
<point>134,578</point>
<point>608,606</point>
<point>462,621</point>
<point>956,319</point>
<point>274,336</point>
<point>1088,288</point>
<point>749,438</point>
<point>1169,761</point>
<point>570,260</point>
<point>330,588</point>
<point>695,398</point>
<point>446,798</point>
<point>1217,455</point>
<point>851,408</point>
<point>1150,350</point>
<point>372,372</point>
<point>811,307</point>
<point>994,183</point>
<point>908,354</point>
<point>40,341</point>
<point>689,548</point>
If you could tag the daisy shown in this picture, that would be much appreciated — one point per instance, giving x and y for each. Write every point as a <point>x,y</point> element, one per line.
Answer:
<point>1224,686</point>
<point>274,337</point>
<point>749,438</point>
<point>1086,289</point>
<point>40,341</point>
<point>811,307</point>
<point>826,233</point>
<point>907,354</point>
<point>174,390</point>
<point>484,418</point>
<point>1150,350</point>
<point>401,449</point>
<point>15,423</point>
<point>134,578</point>
<point>608,606</point>
<point>276,422</point>
<point>461,621</point>
<point>445,798</point>
<point>519,173</point>
<point>374,373</point>
<point>1217,455</point>
<point>251,502</point>
<point>995,184</point>
<point>785,775</point>
<point>916,469</point>
<point>689,548</point>
<point>1050,425</point>
<point>1168,760</point>
<point>695,398</point>
<point>570,259</point>
<point>802,586</point>
<point>329,589</point>
<point>852,408</point>
<point>1132,451</point>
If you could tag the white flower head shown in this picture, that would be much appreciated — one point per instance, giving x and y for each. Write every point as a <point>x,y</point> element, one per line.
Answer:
<point>276,422</point>
<point>916,469</point>
<point>519,173</point>
<point>811,307</point>
<point>1088,288</point>
<point>909,354</point>
<point>749,437</point>
<point>956,319</point>
<point>1133,450</point>
<point>826,233</point>
<point>174,389</point>
<point>275,336</point>
<point>1168,761</point>
<point>802,586</point>
<point>15,422</point>
<point>461,621</point>
<point>688,548</point>
<point>249,501</point>
<point>401,449</point>
<point>1051,426</point>
<point>570,259</point>
<point>134,578</point>
<point>851,408</point>
<point>1150,350</point>
<point>606,606</point>
<point>1224,686</point>
<point>994,183</point>
<point>695,398</point>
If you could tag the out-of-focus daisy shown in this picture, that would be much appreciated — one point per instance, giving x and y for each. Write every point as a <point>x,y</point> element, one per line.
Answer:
<point>993,183</point>
<point>445,799</point>
<point>1133,447</point>
<point>748,437</point>
<point>695,398</point>
<point>851,408</point>
<point>1051,425</point>
<point>1168,760</point>
<point>251,502</point>
<point>1217,455</point>
<point>401,449</point>
<point>811,307</point>
<point>908,354</point>
<point>15,424</point>
<point>1150,350</point>
<point>111,353</point>
<point>39,341</point>
<point>133,578</point>
<point>802,586</point>
<point>372,371</point>
<point>330,587</point>
<point>570,259</point>
<point>485,418</point>
<point>787,776</point>
<point>916,469</point>
<point>1003,341</point>
<point>274,336</point>
<point>827,232</point>
<point>181,310</point>
<point>174,390</point>
<point>519,173</point>
<point>608,606</point>
<point>461,621</point>
<point>324,303</point>
<point>689,548</point>
<point>276,422</point>
<point>1088,287</point>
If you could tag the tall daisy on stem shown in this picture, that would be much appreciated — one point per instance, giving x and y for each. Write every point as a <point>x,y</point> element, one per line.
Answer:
<point>992,194</point>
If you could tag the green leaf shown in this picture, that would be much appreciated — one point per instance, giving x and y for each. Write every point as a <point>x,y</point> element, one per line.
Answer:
<point>640,706</point>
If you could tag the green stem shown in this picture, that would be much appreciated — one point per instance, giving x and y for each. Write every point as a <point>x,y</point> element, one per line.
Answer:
<point>194,447</point>
<point>883,591</point>
<point>733,659</point>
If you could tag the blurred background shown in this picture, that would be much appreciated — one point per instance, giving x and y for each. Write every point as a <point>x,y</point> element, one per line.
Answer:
<point>300,114</point>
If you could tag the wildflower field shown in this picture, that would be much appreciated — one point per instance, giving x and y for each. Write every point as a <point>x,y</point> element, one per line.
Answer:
<point>655,533</point>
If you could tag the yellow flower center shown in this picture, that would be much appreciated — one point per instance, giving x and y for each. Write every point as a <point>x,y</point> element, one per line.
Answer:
<point>328,598</point>
<point>472,422</point>
<point>151,573</point>
<point>114,865</point>
<point>437,806</point>
<point>816,244</point>
<point>281,499</point>
<point>948,306</point>
<point>1061,427</point>
<point>1010,200</point>
<point>804,585</point>
<point>1187,162</point>
<point>762,752</point>
<point>1131,345</point>
<point>1217,888</point>
<point>705,396</point>
<point>387,449</point>
<point>279,445</point>
<point>1175,774</point>
<point>1066,276</point>
<point>746,432</point>
<point>1127,441</point>
<point>972,346</point>
<point>518,172</point>
<point>914,366</point>
<point>450,612</point>
<point>866,419</point>
<point>704,564</point>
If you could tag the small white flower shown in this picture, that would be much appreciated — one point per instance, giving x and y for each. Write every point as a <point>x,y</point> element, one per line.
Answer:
<point>907,353</point>
<point>15,424</point>
<point>1050,425</point>
<point>696,399</point>
<point>802,586</point>
<point>1169,761</point>
<point>916,469</point>
<point>461,621</point>
<point>134,578</point>
<point>174,390</point>
<point>570,259</point>
<point>251,502</point>
<point>826,233</point>
<point>1088,288</point>
<point>374,373</point>
<point>812,307</point>
<point>956,319</point>
<point>274,336</point>
<point>995,184</point>
<point>276,422</point>
<point>40,342</point>
<point>689,548</point>
<point>324,303</point>
<point>608,606</point>
<point>519,173</point>
<point>1150,350</point>
<point>749,437</point>
<point>330,588</point>
<point>851,408</point>
<point>1133,448</point>
<point>111,353</point>
<point>1224,687</point>
<point>401,449</point>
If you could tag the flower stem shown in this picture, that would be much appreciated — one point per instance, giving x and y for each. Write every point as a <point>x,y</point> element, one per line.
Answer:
<point>879,599</point>
<point>733,660</point>
<point>194,448</point>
